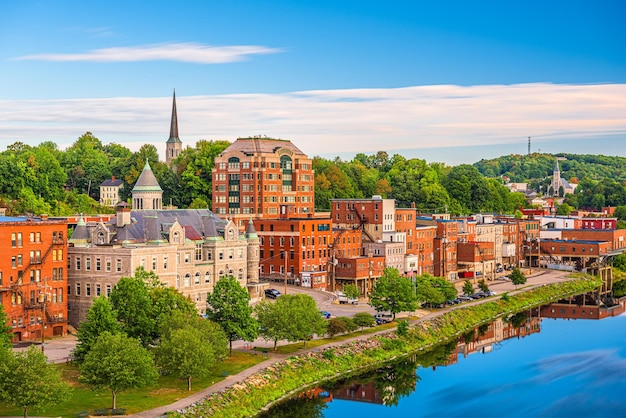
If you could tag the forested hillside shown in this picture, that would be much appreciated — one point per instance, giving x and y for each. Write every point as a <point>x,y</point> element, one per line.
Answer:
<point>601,179</point>
<point>44,179</point>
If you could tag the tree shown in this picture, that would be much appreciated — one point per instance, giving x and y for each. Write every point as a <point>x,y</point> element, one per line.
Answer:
<point>132,303</point>
<point>29,382</point>
<point>271,318</point>
<point>229,306</point>
<point>335,326</point>
<point>351,291</point>
<point>189,348</point>
<point>434,290</point>
<point>468,287</point>
<point>364,319</point>
<point>517,277</point>
<point>100,318</point>
<point>483,286</point>
<point>301,317</point>
<point>117,362</point>
<point>5,329</point>
<point>393,293</point>
<point>619,262</point>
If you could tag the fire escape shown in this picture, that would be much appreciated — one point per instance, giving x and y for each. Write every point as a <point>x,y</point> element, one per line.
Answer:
<point>362,222</point>
<point>34,301</point>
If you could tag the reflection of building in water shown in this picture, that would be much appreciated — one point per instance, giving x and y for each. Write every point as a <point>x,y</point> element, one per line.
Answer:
<point>496,332</point>
<point>582,308</point>
<point>361,392</point>
<point>317,393</point>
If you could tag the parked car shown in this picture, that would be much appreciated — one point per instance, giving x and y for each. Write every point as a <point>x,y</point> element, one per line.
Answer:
<point>325,314</point>
<point>499,270</point>
<point>272,293</point>
<point>490,293</point>
<point>478,295</point>
<point>465,298</point>
<point>383,318</point>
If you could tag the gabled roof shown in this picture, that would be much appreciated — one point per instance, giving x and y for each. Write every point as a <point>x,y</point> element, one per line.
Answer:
<point>111,182</point>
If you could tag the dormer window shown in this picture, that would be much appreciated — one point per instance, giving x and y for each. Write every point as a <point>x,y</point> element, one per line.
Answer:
<point>176,237</point>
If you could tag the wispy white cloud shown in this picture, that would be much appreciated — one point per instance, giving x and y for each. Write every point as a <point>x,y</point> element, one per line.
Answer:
<point>326,122</point>
<point>183,52</point>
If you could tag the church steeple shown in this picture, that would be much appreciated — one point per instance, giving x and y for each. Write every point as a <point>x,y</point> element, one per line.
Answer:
<point>556,179</point>
<point>174,145</point>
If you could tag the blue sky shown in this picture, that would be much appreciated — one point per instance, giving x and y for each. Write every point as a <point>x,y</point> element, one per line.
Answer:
<point>450,81</point>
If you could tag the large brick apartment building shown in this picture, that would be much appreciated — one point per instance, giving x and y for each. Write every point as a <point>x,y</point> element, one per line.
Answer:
<point>33,276</point>
<point>262,177</point>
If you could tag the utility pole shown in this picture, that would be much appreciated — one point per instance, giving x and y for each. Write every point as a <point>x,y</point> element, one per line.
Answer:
<point>285,269</point>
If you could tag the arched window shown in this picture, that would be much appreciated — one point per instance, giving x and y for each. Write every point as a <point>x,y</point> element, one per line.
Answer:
<point>197,278</point>
<point>187,279</point>
<point>221,274</point>
<point>207,277</point>
<point>176,238</point>
<point>240,275</point>
<point>178,281</point>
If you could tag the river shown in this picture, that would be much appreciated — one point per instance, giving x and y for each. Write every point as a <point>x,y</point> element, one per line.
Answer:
<point>562,360</point>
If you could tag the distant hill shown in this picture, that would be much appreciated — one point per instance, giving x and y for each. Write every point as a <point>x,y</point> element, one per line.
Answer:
<point>525,168</point>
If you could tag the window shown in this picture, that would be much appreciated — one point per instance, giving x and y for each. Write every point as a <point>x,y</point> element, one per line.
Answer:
<point>197,278</point>
<point>98,264</point>
<point>19,259</point>
<point>77,289</point>
<point>88,264</point>
<point>187,279</point>
<point>13,240</point>
<point>118,264</point>
<point>207,277</point>
<point>108,264</point>
<point>165,262</point>
<point>187,258</point>
<point>108,290</point>
<point>97,289</point>
<point>88,289</point>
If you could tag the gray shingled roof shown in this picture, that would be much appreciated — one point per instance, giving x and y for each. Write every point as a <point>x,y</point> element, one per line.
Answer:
<point>147,182</point>
<point>153,225</point>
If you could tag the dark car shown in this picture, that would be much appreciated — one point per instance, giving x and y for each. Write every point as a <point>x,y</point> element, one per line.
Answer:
<point>272,293</point>
<point>325,314</point>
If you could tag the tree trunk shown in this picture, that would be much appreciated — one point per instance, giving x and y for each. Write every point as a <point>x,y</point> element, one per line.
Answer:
<point>230,354</point>
<point>275,345</point>
<point>114,393</point>
<point>26,412</point>
<point>188,382</point>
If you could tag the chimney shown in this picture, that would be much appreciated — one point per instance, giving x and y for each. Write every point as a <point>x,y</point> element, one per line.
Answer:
<point>112,178</point>
<point>122,214</point>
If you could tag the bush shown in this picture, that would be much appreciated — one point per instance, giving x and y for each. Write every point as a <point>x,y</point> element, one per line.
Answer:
<point>403,328</point>
<point>364,319</point>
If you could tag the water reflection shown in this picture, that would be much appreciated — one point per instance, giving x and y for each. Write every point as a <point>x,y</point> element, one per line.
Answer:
<point>386,386</point>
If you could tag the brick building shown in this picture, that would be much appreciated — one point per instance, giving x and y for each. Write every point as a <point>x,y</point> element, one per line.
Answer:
<point>297,246</point>
<point>374,216</point>
<point>33,276</point>
<point>262,178</point>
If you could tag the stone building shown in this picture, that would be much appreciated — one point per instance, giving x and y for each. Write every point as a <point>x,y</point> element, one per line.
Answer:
<point>189,249</point>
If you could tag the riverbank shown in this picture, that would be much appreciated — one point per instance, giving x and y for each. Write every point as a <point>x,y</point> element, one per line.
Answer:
<point>275,382</point>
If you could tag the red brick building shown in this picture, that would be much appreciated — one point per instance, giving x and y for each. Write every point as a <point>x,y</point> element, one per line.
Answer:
<point>374,216</point>
<point>33,276</point>
<point>472,256</point>
<point>360,271</point>
<point>299,247</point>
<point>262,178</point>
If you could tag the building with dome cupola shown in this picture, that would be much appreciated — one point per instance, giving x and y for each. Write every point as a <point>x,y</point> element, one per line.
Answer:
<point>188,249</point>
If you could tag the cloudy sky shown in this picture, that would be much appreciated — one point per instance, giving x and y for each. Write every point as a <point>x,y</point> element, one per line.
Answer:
<point>450,81</point>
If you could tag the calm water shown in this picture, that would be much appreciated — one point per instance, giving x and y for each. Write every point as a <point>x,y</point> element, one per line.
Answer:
<point>540,368</point>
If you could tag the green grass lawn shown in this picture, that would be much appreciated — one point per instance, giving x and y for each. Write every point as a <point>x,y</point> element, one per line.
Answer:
<point>167,390</point>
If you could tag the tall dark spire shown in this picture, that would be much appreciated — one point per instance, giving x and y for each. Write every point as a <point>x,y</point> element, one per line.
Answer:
<point>173,146</point>
<point>174,122</point>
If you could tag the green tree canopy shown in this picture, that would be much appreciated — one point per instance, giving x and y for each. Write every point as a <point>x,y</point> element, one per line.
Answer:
<point>100,318</point>
<point>302,318</point>
<point>117,362</point>
<point>229,306</point>
<point>189,347</point>
<point>29,382</point>
<point>517,277</point>
<point>393,293</point>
